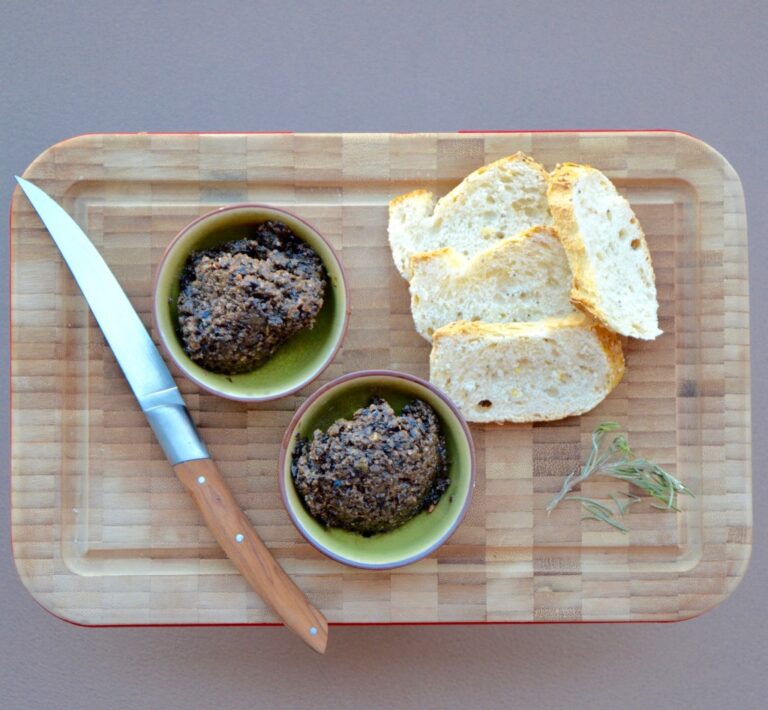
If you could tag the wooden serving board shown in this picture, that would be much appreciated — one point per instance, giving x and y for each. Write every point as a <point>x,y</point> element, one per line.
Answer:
<point>103,532</point>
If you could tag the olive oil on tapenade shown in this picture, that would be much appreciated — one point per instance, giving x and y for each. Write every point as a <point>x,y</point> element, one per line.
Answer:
<point>373,472</point>
<point>240,301</point>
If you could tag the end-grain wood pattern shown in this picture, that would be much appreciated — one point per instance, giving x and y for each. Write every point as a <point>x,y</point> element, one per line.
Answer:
<point>104,533</point>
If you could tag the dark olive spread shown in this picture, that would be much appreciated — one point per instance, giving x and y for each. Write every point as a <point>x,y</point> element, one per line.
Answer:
<point>240,301</point>
<point>374,472</point>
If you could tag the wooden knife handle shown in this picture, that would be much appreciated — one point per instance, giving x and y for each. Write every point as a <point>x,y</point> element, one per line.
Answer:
<point>238,539</point>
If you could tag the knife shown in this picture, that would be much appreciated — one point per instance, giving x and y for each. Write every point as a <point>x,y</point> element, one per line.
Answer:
<point>161,402</point>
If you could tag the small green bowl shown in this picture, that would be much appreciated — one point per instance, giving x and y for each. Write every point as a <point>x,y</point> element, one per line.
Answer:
<point>300,359</point>
<point>424,533</point>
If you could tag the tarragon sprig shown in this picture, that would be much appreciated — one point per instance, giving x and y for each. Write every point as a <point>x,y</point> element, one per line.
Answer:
<point>618,461</point>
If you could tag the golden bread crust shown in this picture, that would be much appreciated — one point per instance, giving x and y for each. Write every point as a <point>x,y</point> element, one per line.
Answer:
<point>609,342</point>
<point>584,292</point>
<point>414,194</point>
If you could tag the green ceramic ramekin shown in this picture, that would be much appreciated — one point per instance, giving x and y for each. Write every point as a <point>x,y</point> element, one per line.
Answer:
<point>424,533</point>
<point>298,361</point>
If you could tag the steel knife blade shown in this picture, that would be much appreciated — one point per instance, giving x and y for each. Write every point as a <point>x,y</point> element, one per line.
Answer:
<point>159,398</point>
<point>141,363</point>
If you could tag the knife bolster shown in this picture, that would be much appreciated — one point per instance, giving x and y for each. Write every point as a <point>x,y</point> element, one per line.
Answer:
<point>176,433</point>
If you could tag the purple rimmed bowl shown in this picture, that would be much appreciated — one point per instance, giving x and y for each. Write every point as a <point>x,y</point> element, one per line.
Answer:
<point>301,358</point>
<point>424,533</point>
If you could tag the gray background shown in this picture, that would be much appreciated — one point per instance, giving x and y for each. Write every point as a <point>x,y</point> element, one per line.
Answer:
<point>81,67</point>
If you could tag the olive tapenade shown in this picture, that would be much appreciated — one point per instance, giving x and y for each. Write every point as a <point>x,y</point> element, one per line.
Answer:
<point>374,472</point>
<point>240,301</point>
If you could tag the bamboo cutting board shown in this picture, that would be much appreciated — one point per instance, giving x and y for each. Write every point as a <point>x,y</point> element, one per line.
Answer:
<point>103,532</point>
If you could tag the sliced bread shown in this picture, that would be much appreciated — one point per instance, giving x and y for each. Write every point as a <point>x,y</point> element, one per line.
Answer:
<point>494,202</point>
<point>525,372</point>
<point>613,277</point>
<point>522,278</point>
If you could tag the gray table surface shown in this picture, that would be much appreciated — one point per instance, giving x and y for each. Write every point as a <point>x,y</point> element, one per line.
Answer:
<point>80,67</point>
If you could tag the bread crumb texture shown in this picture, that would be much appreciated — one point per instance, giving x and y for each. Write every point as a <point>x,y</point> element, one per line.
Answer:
<point>494,202</point>
<point>525,372</point>
<point>524,281</point>
<point>613,277</point>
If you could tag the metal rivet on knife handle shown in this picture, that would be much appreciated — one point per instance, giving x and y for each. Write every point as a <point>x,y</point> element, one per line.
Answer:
<point>231,528</point>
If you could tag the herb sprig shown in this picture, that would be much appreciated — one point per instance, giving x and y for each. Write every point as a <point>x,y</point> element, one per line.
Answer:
<point>618,461</point>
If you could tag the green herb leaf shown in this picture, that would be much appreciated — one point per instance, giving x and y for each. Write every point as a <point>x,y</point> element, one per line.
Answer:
<point>591,503</point>
<point>618,461</point>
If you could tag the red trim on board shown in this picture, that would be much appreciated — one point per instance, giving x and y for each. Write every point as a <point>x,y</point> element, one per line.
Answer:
<point>10,371</point>
<point>581,130</point>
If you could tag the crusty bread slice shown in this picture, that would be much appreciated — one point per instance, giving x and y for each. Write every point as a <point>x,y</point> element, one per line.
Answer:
<point>496,201</point>
<point>525,372</point>
<point>613,277</point>
<point>522,278</point>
